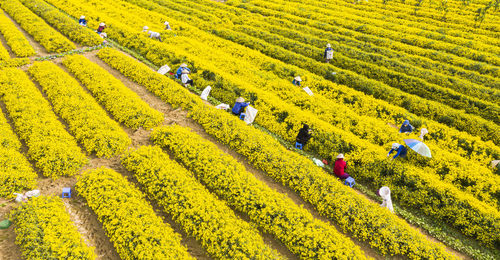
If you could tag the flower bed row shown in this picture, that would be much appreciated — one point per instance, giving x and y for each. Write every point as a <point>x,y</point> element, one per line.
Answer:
<point>54,151</point>
<point>87,121</point>
<point>16,173</point>
<point>44,231</point>
<point>48,37</point>
<point>363,220</point>
<point>297,229</point>
<point>124,104</point>
<point>129,221</point>
<point>201,215</point>
<point>15,38</point>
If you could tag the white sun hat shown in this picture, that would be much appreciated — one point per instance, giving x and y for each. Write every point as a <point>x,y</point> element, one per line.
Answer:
<point>298,78</point>
<point>328,45</point>
<point>145,28</point>
<point>102,24</point>
<point>395,146</point>
<point>184,65</point>
<point>82,17</point>
<point>240,99</point>
<point>340,156</point>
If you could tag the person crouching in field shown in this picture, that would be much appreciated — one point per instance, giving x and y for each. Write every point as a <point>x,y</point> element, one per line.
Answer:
<point>406,127</point>
<point>178,73</point>
<point>339,167</point>
<point>305,133</point>
<point>152,35</point>
<point>185,78</point>
<point>239,106</point>
<point>400,150</point>
<point>101,28</point>
<point>296,81</point>
<point>82,21</point>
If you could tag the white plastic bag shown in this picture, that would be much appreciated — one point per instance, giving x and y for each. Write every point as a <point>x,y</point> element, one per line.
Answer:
<point>329,54</point>
<point>250,114</point>
<point>205,93</point>
<point>385,193</point>
<point>318,162</point>
<point>308,91</point>
<point>164,69</point>
<point>223,106</point>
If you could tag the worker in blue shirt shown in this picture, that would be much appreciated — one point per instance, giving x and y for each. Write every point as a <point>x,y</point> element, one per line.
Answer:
<point>82,21</point>
<point>178,73</point>
<point>239,106</point>
<point>406,127</point>
<point>328,55</point>
<point>400,151</point>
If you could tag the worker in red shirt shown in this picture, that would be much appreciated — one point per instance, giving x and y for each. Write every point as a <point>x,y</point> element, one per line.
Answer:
<point>339,167</point>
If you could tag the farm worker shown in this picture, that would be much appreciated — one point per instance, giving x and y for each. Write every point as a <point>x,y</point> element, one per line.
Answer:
<point>82,21</point>
<point>155,35</point>
<point>339,167</point>
<point>239,106</point>
<point>406,127</point>
<point>400,151</point>
<point>101,28</point>
<point>178,73</point>
<point>185,78</point>
<point>296,81</point>
<point>167,26</point>
<point>104,36</point>
<point>152,35</point>
<point>305,133</point>
<point>328,53</point>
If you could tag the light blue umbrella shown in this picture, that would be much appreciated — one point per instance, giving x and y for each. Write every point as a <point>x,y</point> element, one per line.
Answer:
<point>418,147</point>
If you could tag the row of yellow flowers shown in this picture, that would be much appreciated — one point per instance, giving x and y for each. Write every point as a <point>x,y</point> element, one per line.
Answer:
<point>466,145</point>
<point>4,54</point>
<point>431,26</point>
<point>124,104</point>
<point>367,167</point>
<point>454,19</point>
<point>63,23</point>
<point>47,36</point>
<point>127,218</point>
<point>15,38</point>
<point>388,29</point>
<point>53,150</point>
<point>379,41</point>
<point>221,233</point>
<point>452,168</point>
<point>44,231</point>
<point>87,121</point>
<point>297,229</point>
<point>349,46</point>
<point>365,220</point>
<point>16,173</point>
